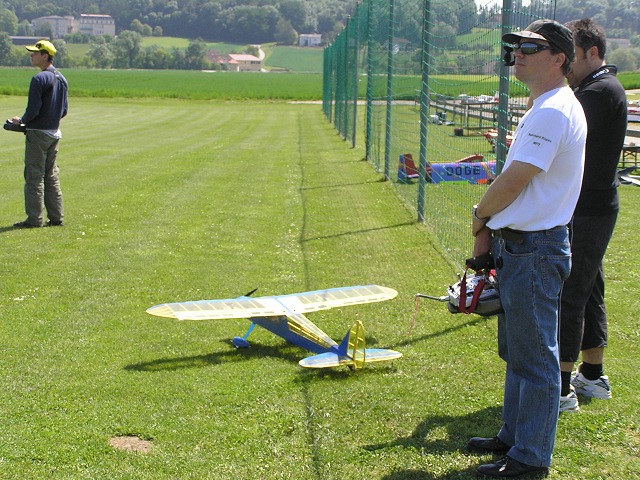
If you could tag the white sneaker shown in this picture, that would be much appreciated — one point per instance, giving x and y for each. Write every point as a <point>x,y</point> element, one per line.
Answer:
<point>569,403</point>
<point>592,388</point>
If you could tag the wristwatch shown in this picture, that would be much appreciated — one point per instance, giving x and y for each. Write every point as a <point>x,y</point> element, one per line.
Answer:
<point>475,215</point>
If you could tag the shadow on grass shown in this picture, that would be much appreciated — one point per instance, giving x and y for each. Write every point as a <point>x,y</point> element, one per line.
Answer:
<point>356,232</point>
<point>459,429</point>
<point>341,161</point>
<point>473,321</point>
<point>422,475</point>
<point>355,184</point>
<point>216,358</point>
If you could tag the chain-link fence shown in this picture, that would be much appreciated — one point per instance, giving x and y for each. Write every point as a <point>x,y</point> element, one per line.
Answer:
<point>437,104</point>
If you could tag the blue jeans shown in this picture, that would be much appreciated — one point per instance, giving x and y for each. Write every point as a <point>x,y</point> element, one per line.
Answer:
<point>530,272</point>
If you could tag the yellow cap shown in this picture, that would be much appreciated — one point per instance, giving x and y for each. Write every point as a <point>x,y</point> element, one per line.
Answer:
<point>43,46</point>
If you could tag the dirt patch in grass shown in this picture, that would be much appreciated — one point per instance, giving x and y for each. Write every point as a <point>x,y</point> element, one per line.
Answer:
<point>130,443</point>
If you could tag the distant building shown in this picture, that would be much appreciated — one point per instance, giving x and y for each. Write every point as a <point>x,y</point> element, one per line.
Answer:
<point>89,24</point>
<point>400,45</point>
<point>21,40</point>
<point>242,63</point>
<point>60,26</point>
<point>309,39</point>
<point>92,24</point>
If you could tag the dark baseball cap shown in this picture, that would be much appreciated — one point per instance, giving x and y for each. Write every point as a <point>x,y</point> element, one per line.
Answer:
<point>553,32</point>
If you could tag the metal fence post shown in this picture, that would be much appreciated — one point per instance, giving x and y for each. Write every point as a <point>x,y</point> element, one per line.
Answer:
<point>387,143</point>
<point>356,48</point>
<point>503,101</point>
<point>424,108</point>
<point>369,114</point>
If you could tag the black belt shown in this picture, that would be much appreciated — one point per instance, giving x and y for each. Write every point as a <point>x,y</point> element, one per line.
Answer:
<point>518,236</point>
<point>510,234</point>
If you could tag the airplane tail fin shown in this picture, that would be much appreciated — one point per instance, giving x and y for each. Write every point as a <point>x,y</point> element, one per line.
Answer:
<point>351,352</point>
<point>353,345</point>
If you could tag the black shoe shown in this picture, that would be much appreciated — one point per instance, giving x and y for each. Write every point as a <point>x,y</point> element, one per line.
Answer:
<point>24,225</point>
<point>55,223</point>
<point>508,467</point>
<point>486,445</point>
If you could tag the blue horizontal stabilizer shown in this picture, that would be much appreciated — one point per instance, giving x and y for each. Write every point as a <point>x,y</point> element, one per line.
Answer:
<point>330,359</point>
<point>325,360</point>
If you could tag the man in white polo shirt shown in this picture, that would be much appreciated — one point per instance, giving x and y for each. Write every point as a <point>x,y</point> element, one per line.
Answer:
<point>522,219</point>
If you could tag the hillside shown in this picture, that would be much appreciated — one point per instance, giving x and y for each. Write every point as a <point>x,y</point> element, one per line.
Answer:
<point>277,57</point>
<point>294,59</point>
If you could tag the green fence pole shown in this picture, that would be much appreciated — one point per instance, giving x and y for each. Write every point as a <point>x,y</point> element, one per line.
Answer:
<point>387,142</point>
<point>342,85</point>
<point>356,48</point>
<point>327,79</point>
<point>503,100</point>
<point>369,111</point>
<point>424,108</point>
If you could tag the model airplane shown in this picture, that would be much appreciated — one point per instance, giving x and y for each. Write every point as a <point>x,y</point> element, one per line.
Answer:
<point>283,316</point>
<point>626,178</point>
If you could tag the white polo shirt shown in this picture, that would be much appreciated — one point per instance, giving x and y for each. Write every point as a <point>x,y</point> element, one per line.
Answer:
<point>551,136</point>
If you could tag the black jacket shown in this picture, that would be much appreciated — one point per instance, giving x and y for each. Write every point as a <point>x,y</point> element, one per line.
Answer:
<point>605,105</point>
<point>47,102</point>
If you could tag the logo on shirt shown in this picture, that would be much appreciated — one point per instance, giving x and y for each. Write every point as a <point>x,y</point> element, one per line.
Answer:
<point>539,138</point>
<point>601,72</point>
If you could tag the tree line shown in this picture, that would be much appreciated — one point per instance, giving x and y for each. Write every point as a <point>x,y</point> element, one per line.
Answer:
<point>235,21</point>
<point>123,51</point>
<point>262,21</point>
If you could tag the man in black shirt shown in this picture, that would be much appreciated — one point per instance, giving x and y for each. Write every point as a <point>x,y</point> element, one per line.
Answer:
<point>583,317</point>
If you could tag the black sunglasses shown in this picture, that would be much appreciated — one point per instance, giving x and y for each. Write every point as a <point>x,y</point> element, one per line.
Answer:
<point>527,48</point>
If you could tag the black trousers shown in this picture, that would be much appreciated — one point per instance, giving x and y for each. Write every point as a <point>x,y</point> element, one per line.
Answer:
<point>583,315</point>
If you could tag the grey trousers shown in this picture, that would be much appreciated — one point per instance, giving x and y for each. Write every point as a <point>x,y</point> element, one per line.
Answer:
<point>42,185</point>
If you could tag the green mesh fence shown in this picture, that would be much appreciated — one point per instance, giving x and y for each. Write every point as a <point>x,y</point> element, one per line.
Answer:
<point>433,94</point>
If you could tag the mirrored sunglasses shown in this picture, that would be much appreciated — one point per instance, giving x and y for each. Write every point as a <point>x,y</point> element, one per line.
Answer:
<point>527,48</point>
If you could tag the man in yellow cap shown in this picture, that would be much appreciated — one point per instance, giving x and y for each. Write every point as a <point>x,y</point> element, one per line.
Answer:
<point>47,104</point>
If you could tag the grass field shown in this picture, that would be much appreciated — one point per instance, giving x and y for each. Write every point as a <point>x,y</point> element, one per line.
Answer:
<point>171,200</point>
<point>295,59</point>
<point>185,84</point>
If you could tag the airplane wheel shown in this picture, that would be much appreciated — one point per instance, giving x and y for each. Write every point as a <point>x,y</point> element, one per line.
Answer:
<point>239,342</point>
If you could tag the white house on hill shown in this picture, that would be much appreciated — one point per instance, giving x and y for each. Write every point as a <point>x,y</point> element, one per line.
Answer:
<point>89,24</point>
<point>309,39</point>
<point>243,63</point>
<point>60,26</point>
<point>94,24</point>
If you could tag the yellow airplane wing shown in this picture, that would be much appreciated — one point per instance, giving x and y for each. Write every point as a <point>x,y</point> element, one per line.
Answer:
<point>336,297</point>
<point>217,309</point>
<point>246,307</point>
